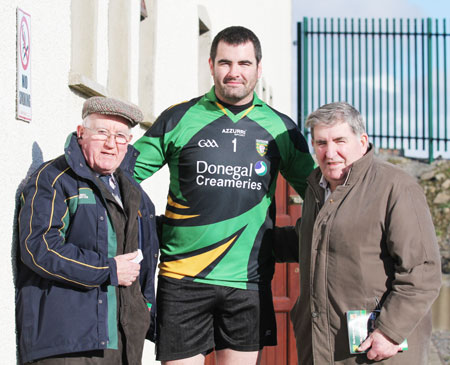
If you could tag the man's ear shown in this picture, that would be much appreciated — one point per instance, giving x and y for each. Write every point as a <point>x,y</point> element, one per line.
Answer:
<point>364,140</point>
<point>259,69</point>
<point>80,130</point>
<point>211,66</point>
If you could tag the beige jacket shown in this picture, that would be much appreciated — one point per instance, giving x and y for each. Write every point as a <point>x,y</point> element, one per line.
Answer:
<point>372,240</point>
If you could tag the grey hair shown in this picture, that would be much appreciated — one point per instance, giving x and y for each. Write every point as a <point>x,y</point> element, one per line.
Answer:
<point>334,113</point>
<point>87,122</point>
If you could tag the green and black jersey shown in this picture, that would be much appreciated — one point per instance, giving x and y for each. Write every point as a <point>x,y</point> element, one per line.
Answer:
<point>223,173</point>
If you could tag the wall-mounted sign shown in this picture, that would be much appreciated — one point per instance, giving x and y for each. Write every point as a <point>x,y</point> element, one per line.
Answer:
<point>23,103</point>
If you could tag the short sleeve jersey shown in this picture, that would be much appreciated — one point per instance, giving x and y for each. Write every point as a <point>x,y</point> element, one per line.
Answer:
<point>223,172</point>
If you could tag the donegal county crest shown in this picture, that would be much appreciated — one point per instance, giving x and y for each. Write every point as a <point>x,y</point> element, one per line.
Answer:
<point>261,147</point>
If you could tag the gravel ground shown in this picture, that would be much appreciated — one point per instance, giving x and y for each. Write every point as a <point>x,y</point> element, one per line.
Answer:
<point>441,342</point>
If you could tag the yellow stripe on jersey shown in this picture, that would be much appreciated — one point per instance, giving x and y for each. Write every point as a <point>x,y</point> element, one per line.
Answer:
<point>192,266</point>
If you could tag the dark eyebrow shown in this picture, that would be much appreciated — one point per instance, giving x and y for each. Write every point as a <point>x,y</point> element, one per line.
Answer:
<point>320,141</point>
<point>225,60</point>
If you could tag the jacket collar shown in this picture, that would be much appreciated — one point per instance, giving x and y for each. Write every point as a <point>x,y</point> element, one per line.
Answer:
<point>358,169</point>
<point>77,162</point>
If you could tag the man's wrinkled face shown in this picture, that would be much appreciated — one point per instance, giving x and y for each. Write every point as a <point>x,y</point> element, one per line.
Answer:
<point>235,72</point>
<point>102,155</point>
<point>336,148</point>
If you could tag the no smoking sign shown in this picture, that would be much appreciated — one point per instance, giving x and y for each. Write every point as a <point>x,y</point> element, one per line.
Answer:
<point>23,103</point>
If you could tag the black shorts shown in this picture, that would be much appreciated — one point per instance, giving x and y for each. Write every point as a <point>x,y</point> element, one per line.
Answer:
<point>195,318</point>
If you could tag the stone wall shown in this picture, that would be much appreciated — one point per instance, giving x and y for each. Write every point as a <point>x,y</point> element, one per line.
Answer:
<point>435,180</point>
<point>436,184</point>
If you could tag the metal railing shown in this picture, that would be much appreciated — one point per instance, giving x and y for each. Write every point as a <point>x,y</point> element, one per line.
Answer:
<point>394,71</point>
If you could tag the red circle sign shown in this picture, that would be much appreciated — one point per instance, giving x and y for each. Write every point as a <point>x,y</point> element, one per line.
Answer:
<point>24,43</point>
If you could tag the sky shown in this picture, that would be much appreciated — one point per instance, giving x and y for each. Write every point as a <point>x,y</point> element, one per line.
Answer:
<point>369,8</point>
<point>433,8</point>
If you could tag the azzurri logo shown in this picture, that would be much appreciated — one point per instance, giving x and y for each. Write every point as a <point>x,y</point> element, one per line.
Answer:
<point>261,168</point>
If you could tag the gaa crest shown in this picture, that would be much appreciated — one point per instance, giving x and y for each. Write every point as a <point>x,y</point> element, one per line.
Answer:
<point>261,147</point>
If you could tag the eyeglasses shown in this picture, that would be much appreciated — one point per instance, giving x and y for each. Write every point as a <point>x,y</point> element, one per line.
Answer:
<point>102,134</point>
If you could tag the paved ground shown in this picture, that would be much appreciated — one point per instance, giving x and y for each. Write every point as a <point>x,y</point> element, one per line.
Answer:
<point>434,358</point>
<point>440,348</point>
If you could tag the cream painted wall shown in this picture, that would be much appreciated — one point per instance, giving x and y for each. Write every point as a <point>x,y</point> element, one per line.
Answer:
<point>26,145</point>
<point>57,109</point>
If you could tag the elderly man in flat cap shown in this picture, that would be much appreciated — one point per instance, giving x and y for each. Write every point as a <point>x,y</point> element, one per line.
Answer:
<point>88,248</point>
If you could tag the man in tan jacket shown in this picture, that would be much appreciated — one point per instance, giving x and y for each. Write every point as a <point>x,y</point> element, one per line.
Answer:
<point>367,242</point>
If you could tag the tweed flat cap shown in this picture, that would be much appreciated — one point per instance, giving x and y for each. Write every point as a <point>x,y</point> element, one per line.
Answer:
<point>110,106</point>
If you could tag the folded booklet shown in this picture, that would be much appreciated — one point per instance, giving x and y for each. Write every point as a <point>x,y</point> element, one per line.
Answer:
<point>360,323</point>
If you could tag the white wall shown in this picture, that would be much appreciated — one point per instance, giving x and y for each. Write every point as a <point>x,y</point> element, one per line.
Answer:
<point>57,109</point>
<point>26,145</point>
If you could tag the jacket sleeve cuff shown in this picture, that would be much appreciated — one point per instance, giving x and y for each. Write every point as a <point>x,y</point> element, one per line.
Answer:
<point>113,280</point>
<point>390,333</point>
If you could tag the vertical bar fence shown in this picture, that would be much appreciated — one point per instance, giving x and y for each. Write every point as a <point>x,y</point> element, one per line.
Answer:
<point>394,71</point>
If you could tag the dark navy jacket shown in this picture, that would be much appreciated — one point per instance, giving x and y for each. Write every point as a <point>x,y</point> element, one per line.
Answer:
<point>66,297</point>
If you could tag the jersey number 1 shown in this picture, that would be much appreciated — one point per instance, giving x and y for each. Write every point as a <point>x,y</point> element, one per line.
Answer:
<point>234,144</point>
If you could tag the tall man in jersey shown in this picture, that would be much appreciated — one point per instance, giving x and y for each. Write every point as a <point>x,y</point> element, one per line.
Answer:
<point>224,151</point>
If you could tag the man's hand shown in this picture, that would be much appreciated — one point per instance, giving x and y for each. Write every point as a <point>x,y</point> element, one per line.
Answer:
<point>381,346</point>
<point>127,271</point>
